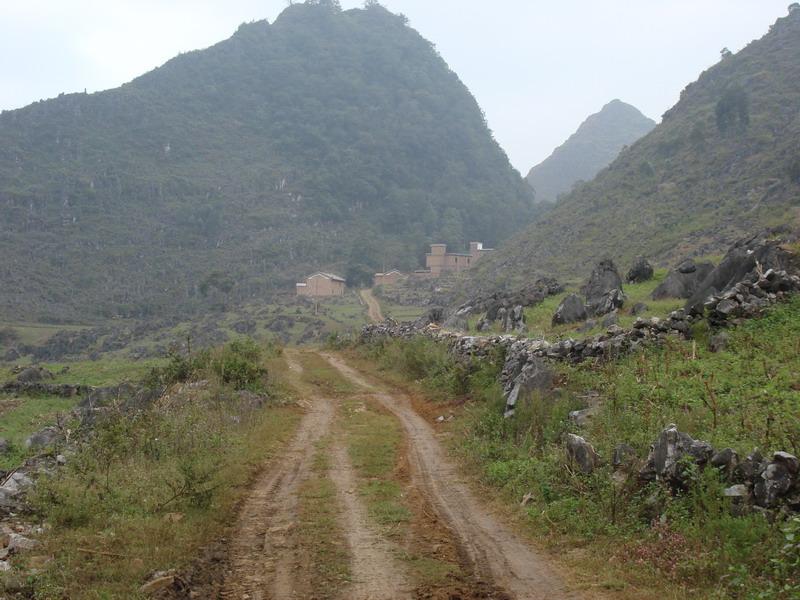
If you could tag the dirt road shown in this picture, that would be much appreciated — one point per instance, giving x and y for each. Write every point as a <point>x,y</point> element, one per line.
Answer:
<point>267,560</point>
<point>496,554</point>
<point>373,306</point>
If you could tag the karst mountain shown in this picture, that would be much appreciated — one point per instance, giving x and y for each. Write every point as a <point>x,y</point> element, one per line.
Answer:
<point>328,139</point>
<point>596,143</point>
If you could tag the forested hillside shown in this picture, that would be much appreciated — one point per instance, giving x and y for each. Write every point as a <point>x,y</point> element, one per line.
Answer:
<point>724,162</point>
<point>594,146</point>
<point>328,139</point>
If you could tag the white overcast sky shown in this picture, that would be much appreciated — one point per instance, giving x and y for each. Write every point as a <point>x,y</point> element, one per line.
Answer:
<point>537,67</point>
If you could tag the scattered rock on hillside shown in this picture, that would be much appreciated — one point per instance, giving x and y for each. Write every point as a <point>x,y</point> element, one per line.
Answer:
<point>683,281</point>
<point>522,375</point>
<point>610,319</point>
<point>623,455</point>
<point>571,310</point>
<point>641,271</point>
<point>639,308</point>
<point>666,459</point>
<point>603,290</point>
<point>777,479</point>
<point>42,439</point>
<point>4,446</point>
<point>34,375</point>
<point>726,460</point>
<point>761,252</point>
<point>718,341</point>
<point>582,453</point>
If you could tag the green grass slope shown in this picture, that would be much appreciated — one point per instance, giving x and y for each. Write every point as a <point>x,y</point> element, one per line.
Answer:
<point>724,162</point>
<point>326,140</point>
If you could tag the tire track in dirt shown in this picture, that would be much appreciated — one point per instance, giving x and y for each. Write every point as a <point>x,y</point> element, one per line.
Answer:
<point>262,551</point>
<point>494,552</point>
<point>376,574</point>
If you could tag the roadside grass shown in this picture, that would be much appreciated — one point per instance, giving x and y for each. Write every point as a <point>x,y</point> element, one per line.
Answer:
<point>645,540</point>
<point>150,488</point>
<point>320,532</point>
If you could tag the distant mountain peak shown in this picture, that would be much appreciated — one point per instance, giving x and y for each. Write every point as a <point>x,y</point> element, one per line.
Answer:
<point>594,146</point>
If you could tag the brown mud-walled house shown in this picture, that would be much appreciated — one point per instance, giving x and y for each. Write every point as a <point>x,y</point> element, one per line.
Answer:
<point>321,285</point>
<point>388,278</point>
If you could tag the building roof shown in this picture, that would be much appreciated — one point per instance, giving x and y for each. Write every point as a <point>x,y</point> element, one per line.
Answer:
<point>327,276</point>
<point>392,272</point>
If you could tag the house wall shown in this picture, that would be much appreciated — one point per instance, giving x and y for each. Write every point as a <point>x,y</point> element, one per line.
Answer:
<point>320,286</point>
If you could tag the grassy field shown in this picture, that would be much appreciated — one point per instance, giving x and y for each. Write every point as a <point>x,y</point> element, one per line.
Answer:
<point>401,313</point>
<point>642,538</point>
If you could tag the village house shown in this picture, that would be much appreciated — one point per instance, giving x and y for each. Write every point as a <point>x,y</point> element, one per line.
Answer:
<point>439,261</point>
<point>321,285</point>
<point>388,278</point>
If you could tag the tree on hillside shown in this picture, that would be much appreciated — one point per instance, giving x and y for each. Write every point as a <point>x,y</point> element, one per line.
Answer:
<point>733,109</point>
<point>725,53</point>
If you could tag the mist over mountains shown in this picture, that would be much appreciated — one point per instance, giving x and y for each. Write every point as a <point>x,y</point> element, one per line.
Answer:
<point>596,143</point>
<point>724,162</point>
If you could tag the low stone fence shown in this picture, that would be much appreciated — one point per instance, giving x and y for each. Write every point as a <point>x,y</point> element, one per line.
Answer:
<point>525,366</point>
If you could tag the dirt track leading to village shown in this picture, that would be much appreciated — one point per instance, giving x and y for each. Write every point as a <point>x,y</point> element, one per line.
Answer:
<point>373,306</point>
<point>266,562</point>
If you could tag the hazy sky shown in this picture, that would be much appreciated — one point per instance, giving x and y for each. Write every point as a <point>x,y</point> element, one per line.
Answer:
<point>537,67</point>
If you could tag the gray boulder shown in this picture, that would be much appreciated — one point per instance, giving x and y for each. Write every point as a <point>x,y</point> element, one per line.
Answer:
<point>612,318</point>
<point>531,375</point>
<point>639,308</point>
<point>42,439</point>
<point>5,446</point>
<point>603,290</point>
<point>641,271</point>
<point>34,375</point>
<point>669,454</point>
<point>718,341</point>
<point>683,281</point>
<point>726,461</point>
<point>778,478</point>
<point>582,453</point>
<point>623,455</point>
<point>608,303</point>
<point>571,310</point>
